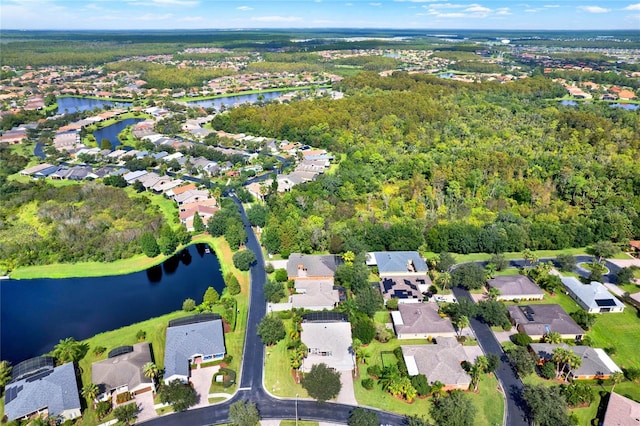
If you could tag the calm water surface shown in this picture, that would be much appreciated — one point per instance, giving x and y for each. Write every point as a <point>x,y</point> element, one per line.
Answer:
<point>111,132</point>
<point>36,314</point>
<point>75,104</point>
<point>230,101</point>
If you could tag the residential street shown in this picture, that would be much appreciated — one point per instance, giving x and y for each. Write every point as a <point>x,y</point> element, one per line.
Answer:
<point>251,386</point>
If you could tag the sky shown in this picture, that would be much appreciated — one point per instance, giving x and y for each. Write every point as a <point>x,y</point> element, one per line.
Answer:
<point>398,14</point>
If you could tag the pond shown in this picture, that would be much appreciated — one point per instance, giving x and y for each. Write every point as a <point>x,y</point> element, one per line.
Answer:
<point>230,101</point>
<point>68,105</point>
<point>112,131</point>
<point>36,314</point>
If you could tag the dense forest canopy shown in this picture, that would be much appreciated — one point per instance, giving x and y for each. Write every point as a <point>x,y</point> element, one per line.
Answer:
<point>44,224</point>
<point>447,166</point>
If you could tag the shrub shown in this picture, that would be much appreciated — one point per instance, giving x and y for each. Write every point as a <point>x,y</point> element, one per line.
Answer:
<point>188,305</point>
<point>103,408</point>
<point>383,335</point>
<point>243,259</point>
<point>392,304</point>
<point>232,284</point>
<point>281,275</point>
<point>548,370</point>
<point>368,383</point>
<point>99,350</point>
<point>374,370</point>
<point>268,268</point>
<point>421,384</point>
<point>632,374</point>
<point>123,397</point>
<point>285,314</point>
<point>521,339</point>
<point>141,335</point>
<point>363,329</point>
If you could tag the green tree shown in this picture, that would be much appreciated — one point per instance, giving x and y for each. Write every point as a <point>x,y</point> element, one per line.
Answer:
<point>453,409</point>
<point>493,313</point>
<point>530,257</point>
<point>417,421</point>
<point>149,244</point>
<point>364,328</point>
<point>257,215</point>
<point>105,144</point>
<point>235,235</point>
<point>421,384</point>
<point>141,335</point>
<point>211,297</point>
<point>470,276</point>
<point>69,350</point>
<point>493,362</point>
<point>321,382</point>
<point>392,304</point>
<point>188,305</point>
<point>522,360</point>
<point>444,280</point>
<point>271,330</point>
<point>604,249</point>
<point>368,300</point>
<point>243,259</point>
<point>90,392</point>
<point>583,319</point>
<point>361,417</point>
<point>102,409</point>
<point>5,374</point>
<point>624,276</point>
<point>499,261</point>
<point>232,284</point>
<point>552,337</point>
<point>244,413</point>
<point>150,370</point>
<point>445,262</point>
<point>461,323</point>
<point>281,275</point>
<point>566,262</point>
<point>168,241</point>
<point>126,414</point>
<point>198,224</point>
<point>547,405</point>
<point>179,395</point>
<point>477,369</point>
<point>273,291</point>
<point>616,377</point>
<point>182,235</point>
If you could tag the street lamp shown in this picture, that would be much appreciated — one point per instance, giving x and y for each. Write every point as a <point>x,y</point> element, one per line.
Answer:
<point>296,409</point>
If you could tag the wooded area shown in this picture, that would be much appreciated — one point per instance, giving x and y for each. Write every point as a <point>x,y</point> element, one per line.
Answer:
<point>447,166</point>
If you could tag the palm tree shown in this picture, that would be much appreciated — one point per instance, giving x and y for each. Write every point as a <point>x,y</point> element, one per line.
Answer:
<point>479,367</point>
<point>90,392</point>
<point>572,361</point>
<point>437,389</point>
<point>443,280</point>
<point>461,323</point>
<point>530,257</point>
<point>69,350</point>
<point>553,337</point>
<point>494,293</point>
<point>558,357</point>
<point>616,378</point>
<point>5,374</point>
<point>150,370</point>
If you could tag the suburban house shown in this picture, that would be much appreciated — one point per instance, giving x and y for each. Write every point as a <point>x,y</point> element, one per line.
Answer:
<point>122,371</point>
<point>180,189</point>
<point>192,340</point>
<point>539,320</point>
<point>311,267</point>
<point>403,275</point>
<point>593,298</point>
<point>328,337</point>
<point>39,388</point>
<point>621,411</point>
<point>516,287</point>
<point>596,364</point>
<point>420,321</point>
<point>315,295</point>
<point>204,208</point>
<point>439,362</point>
<point>191,196</point>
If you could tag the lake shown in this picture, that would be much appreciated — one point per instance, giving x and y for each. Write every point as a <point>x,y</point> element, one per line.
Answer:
<point>68,105</point>
<point>36,314</point>
<point>233,100</point>
<point>112,131</point>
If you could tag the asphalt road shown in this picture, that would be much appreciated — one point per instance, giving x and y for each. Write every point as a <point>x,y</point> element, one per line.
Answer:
<point>250,386</point>
<point>516,412</point>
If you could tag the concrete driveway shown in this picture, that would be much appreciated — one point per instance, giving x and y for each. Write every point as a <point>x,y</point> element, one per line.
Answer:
<point>201,381</point>
<point>145,407</point>
<point>347,394</point>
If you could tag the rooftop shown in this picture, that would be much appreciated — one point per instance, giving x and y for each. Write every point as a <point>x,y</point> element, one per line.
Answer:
<point>440,362</point>
<point>593,295</point>
<point>621,411</point>
<point>515,285</point>
<point>329,343</point>
<point>310,266</point>
<point>538,320</point>
<point>595,361</point>
<point>123,369</point>
<point>420,318</point>
<point>399,262</point>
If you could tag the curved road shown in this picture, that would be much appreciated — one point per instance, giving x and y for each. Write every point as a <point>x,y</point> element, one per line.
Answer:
<point>250,386</point>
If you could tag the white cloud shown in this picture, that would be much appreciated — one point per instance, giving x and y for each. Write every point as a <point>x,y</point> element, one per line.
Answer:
<point>154,17</point>
<point>633,7</point>
<point>503,11</point>
<point>375,4</point>
<point>551,5</point>
<point>531,10</point>
<point>176,2</point>
<point>244,8</point>
<point>415,1</point>
<point>594,9</point>
<point>445,6</point>
<point>476,8</point>
<point>275,18</point>
<point>348,4</point>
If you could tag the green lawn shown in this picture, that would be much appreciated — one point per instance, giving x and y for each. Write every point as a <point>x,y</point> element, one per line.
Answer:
<point>278,379</point>
<point>621,331</point>
<point>474,257</point>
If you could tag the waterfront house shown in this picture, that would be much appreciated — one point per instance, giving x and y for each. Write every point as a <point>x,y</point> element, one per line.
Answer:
<point>123,371</point>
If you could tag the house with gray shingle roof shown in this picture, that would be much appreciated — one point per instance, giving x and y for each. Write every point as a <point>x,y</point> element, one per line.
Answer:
<point>51,391</point>
<point>189,344</point>
<point>538,320</point>
<point>123,372</point>
<point>516,287</point>
<point>328,343</point>
<point>621,411</point>
<point>315,295</point>
<point>593,297</point>
<point>596,364</point>
<point>439,362</point>
<point>421,321</point>
<point>400,263</point>
<point>311,267</point>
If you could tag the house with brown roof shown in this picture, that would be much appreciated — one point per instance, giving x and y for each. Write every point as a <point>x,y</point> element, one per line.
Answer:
<point>516,287</point>
<point>626,95</point>
<point>621,411</point>
<point>180,189</point>
<point>440,362</point>
<point>539,320</point>
<point>421,321</point>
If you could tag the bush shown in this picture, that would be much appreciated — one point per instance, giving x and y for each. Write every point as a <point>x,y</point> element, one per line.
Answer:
<point>392,304</point>
<point>268,268</point>
<point>243,259</point>
<point>363,329</point>
<point>548,370</point>
<point>374,370</point>
<point>103,408</point>
<point>141,335</point>
<point>232,284</point>
<point>632,374</point>
<point>188,305</point>
<point>99,350</point>
<point>421,384</point>
<point>285,314</point>
<point>521,339</point>
<point>281,275</point>
<point>368,383</point>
